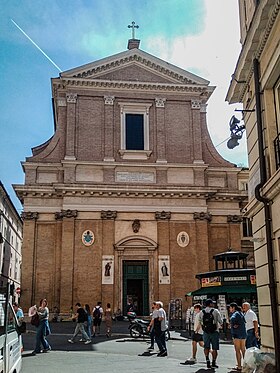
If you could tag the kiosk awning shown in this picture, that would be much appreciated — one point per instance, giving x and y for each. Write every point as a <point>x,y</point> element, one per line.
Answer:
<point>241,289</point>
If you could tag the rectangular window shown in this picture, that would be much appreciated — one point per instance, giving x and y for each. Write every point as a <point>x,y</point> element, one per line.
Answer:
<point>247,227</point>
<point>134,132</point>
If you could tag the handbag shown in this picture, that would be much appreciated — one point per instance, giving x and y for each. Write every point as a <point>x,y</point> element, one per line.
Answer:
<point>35,320</point>
<point>22,327</point>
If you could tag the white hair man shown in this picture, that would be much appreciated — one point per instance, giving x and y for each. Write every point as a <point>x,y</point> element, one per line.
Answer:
<point>252,326</point>
<point>159,323</point>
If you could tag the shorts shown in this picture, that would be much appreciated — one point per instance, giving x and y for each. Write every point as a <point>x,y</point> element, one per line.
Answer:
<point>97,321</point>
<point>211,339</point>
<point>197,337</point>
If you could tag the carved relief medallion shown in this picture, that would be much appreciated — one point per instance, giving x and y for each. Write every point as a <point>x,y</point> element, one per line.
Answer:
<point>88,238</point>
<point>183,239</point>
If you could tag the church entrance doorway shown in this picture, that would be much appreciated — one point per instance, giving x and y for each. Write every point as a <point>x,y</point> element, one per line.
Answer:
<point>136,286</point>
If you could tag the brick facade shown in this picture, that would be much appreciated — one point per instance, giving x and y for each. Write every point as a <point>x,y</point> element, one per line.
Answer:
<point>83,180</point>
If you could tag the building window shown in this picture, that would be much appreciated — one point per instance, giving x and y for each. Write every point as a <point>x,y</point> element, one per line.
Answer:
<point>134,131</point>
<point>247,227</point>
<point>277,114</point>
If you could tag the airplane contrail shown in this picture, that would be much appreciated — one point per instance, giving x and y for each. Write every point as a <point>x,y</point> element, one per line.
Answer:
<point>59,69</point>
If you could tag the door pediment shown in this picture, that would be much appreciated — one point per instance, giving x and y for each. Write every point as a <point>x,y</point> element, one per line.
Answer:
<point>138,242</point>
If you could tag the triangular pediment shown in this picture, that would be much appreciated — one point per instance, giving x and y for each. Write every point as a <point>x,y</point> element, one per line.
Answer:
<point>134,65</point>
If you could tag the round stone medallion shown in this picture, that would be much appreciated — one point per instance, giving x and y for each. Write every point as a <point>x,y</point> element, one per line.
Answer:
<point>88,238</point>
<point>183,239</point>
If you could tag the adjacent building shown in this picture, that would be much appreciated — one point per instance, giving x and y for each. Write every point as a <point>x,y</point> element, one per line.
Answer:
<point>129,199</point>
<point>256,84</point>
<point>11,228</point>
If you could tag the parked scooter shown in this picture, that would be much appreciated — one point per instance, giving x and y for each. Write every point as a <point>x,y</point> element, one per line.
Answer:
<point>139,327</point>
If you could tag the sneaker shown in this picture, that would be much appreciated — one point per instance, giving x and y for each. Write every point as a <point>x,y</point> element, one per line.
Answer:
<point>47,349</point>
<point>70,341</point>
<point>87,342</point>
<point>150,347</point>
<point>191,360</point>
<point>162,353</point>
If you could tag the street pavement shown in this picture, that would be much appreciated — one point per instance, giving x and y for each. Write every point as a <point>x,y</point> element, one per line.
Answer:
<point>120,353</point>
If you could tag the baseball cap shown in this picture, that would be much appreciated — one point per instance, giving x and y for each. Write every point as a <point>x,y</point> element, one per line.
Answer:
<point>209,301</point>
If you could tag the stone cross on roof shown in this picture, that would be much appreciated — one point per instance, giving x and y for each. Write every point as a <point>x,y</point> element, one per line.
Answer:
<point>133,26</point>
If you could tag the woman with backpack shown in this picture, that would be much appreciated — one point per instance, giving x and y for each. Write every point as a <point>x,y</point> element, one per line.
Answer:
<point>238,333</point>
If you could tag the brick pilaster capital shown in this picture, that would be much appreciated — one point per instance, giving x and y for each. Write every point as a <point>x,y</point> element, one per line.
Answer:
<point>163,215</point>
<point>29,215</point>
<point>71,98</point>
<point>234,219</point>
<point>160,102</point>
<point>202,216</point>
<point>108,215</point>
<point>66,214</point>
<point>109,100</point>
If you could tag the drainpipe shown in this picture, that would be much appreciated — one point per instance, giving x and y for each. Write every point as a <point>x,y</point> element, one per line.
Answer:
<point>268,220</point>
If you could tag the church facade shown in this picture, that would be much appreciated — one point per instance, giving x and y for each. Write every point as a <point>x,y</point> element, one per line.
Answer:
<point>129,199</point>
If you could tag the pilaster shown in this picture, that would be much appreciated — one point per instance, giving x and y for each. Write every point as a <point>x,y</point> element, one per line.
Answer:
<point>196,125</point>
<point>109,128</point>
<point>71,124</point>
<point>67,254</point>
<point>160,132</point>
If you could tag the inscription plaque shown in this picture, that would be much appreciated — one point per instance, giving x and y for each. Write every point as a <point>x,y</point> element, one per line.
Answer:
<point>135,177</point>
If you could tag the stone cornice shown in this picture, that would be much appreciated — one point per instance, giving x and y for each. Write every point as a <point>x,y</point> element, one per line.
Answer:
<point>202,90</point>
<point>61,191</point>
<point>253,47</point>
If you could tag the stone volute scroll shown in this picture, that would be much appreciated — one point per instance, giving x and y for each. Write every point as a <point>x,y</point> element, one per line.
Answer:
<point>136,225</point>
<point>108,215</point>
<point>66,214</point>
<point>29,215</point>
<point>234,219</point>
<point>163,215</point>
<point>202,216</point>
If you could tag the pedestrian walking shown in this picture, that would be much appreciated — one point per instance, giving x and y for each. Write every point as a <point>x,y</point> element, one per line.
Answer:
<point>81,318</point>
<point>108,320</point>
<point>89,320</point>
<point>43,328</point>
<point>252,326</point>
<point>159,323</point>
<point>151,328</point>
<point>210,320</point>
<point>97,318</point>
<point>190,315</point>
<point>197,337</point>
<point>238,333</point>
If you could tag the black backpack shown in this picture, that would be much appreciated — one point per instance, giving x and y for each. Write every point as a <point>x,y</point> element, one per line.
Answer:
<point>208,323</point>
<point>97,313</point>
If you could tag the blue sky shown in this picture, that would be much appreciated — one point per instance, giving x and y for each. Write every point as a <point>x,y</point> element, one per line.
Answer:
<point>201,36</point>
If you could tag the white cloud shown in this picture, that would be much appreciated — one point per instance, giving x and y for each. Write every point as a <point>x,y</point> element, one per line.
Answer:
<point>212,54</point>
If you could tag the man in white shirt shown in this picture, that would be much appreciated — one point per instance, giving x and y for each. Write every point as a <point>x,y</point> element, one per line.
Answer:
<point>159,323</point>
<point>197,337</point>
<point>252,326</point>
